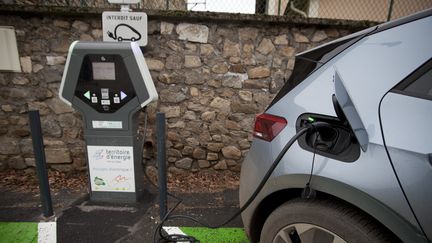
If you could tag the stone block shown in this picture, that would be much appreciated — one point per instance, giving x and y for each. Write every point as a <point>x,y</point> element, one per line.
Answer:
<point>221,104</point>
<point>20,81</point>
<point>220,68</point>
<point>26,64</point>
<point>206,49</point>
<point>174,62</point>
<point>245,95</point>
<point>187,150</point>
<point>193,142</point>
<point>9,146</point>
<point>248,33</point>
<point>208,116</point>
<point>154,64</point>
<point>174,153</point>
<point>166,28</point>
<point>212,156</point>
<point>185,163</point>
<point>58,106</point>
<point>51,127</point>
<point>81,26</point>
<point>287,51</point>
<point>258,72</point>
<point>6,108</point>
<point>171,78</point>
<point>192,61</point>
<point>203,164</point>
<point>281,40</point>
<point>189,115</point>
<point>215,147</point>
<point>231,152</point>
<point>199,153</point>
<point>97,34</point>
<point>193,32</point>
<point>233,80</point>
<point>171,111</point>
<point>319,36</point>
<point>266,46</point>
<point>57,155</point>
<point>244,108</point>
<point>171,96</point>
<point>55,60</point>
<point>221,165</point>
<point>62,24</point>
<point>300,38</point>
<point>231,49</point>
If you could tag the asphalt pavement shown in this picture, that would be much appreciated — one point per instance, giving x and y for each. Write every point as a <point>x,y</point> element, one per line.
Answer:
<point>80,220</point>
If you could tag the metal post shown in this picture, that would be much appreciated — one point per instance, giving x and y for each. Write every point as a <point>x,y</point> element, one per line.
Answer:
<point>390,10</point>
<point>161,158</point>
<point>279,7</point>
<point>39,152</point>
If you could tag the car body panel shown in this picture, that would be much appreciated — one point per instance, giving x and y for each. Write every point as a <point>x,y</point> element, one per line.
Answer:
<point>367,70</point>
<point>406,123</point>
<point>392,61</point>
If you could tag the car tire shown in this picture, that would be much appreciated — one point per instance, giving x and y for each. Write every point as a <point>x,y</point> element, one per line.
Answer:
<point>321,221</point>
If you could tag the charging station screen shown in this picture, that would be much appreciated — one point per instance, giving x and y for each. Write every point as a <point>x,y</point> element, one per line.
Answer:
<point>104,83</point>
<point>103,70</point>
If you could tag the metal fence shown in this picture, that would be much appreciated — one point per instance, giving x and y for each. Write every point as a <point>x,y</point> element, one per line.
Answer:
<point>373,10</point>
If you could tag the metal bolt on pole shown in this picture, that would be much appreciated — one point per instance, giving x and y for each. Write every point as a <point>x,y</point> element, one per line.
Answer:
<point>161,158</point>
<point>39,152</point>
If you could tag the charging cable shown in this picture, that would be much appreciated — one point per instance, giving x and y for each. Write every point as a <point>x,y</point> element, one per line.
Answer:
<point>180,238</point>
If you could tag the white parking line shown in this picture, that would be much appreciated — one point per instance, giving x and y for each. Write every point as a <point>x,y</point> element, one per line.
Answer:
<point>47,232</point>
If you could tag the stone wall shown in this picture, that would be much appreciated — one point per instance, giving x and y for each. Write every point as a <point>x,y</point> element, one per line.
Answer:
<point>213,78</point>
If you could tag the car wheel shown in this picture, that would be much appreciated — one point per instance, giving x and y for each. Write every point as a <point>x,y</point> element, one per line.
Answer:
<point>321,221</point>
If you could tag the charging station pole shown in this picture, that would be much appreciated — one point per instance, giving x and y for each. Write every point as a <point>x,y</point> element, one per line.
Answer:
<point>109,83</point>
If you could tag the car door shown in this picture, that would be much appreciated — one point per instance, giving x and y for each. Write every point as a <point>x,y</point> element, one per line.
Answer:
<point>406,122</point>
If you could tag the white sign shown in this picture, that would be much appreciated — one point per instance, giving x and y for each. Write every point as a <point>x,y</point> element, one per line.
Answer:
<point>111,168</point>
<point>108,124</point>
<point>125,26</point>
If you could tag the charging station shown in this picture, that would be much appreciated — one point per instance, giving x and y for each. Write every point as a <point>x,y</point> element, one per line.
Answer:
<point>108,83</point>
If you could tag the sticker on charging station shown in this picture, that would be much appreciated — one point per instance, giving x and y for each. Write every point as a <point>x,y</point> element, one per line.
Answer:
<point>107,124</point>
<point>111,168</point>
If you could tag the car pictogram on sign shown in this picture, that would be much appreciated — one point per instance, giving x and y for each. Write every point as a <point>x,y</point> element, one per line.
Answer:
<point>128,33</point>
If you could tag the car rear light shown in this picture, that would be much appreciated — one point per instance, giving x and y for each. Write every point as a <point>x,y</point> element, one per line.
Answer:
<point>267,127</point>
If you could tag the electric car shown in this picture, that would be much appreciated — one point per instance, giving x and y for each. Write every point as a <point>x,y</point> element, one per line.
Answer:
<point>366,174</point>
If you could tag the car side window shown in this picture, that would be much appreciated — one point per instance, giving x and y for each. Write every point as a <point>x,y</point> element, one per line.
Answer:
<point>422,86</point>
<point>417,84</point>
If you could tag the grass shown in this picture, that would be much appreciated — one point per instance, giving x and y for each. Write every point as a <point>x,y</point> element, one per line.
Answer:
<point>18,232</point>
<point>220,235</point>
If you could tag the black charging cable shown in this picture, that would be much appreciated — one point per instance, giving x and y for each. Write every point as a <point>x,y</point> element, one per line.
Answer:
<point>308,192</point>
<point>168,216</point>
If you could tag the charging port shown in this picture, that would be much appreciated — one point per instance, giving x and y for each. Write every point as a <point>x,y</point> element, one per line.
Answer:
<point>336,142</point>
